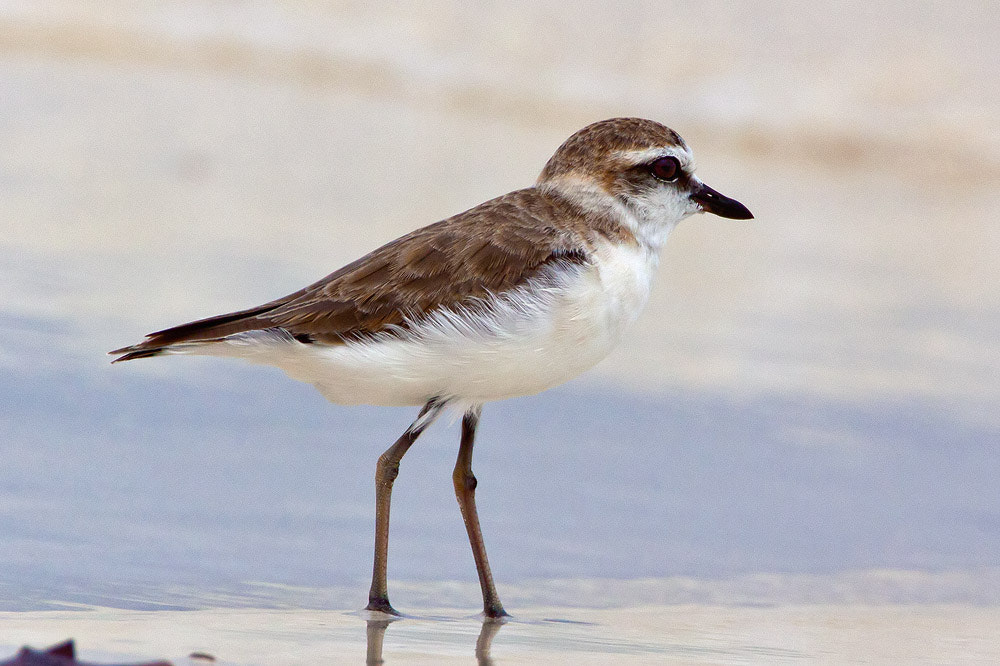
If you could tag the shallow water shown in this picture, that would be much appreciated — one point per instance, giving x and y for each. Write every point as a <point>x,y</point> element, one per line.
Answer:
<point>806,414</point>
<point>640,635</point>
<point>219,481</point>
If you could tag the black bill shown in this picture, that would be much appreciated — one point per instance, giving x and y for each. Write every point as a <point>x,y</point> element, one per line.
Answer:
<point>717,204</point>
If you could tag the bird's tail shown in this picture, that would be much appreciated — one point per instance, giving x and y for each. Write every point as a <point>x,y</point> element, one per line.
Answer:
<point>183,338</point>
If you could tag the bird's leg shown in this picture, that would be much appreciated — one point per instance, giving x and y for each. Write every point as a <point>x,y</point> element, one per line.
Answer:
<point>385,473</point>
<point>465,490</point>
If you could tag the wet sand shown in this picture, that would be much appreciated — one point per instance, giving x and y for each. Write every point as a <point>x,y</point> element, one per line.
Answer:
<point>934,634</point>
<point>817,389</point>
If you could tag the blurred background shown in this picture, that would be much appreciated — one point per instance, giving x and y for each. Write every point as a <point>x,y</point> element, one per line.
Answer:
<point>807,411</point>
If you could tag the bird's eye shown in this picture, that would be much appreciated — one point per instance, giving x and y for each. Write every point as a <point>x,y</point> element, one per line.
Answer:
<point>665,168</point>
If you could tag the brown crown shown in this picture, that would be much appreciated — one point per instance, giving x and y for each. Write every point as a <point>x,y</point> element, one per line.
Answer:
<point>587,151</point>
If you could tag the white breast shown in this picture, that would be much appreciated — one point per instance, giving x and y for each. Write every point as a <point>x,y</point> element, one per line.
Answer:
<point>525,342</point>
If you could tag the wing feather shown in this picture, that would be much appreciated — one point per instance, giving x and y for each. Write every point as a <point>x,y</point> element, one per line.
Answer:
<point>448,264</point>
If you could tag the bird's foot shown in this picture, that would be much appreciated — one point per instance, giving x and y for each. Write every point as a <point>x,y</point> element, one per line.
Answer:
<point>381,605</point>
<point>495,613</point>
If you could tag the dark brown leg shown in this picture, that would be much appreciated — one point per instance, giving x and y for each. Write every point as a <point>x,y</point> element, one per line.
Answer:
<point>385,473</point>
<point>465,490</point>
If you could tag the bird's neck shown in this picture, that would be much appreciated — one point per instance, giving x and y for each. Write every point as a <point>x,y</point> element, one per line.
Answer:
<point>648,227</point>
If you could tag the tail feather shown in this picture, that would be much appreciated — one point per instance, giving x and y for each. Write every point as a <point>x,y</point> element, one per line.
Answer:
<point>204,330</point>
<point>139,353</point>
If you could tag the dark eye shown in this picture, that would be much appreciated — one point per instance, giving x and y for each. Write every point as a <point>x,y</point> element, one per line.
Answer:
<point>665,168</point>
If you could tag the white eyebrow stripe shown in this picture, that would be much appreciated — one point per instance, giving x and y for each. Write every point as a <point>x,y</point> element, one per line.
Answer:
<point>650,154</point>
<point>647,155</point>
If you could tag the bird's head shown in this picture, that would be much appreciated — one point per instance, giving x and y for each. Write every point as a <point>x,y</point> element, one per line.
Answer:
<point>637,163</point>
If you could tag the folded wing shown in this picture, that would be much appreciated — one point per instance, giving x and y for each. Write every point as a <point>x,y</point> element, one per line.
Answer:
<point>455,262</point>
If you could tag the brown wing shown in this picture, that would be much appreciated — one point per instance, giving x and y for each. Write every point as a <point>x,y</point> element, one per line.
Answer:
<point>489,249</point>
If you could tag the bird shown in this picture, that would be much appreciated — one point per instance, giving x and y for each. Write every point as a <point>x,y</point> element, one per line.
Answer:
<point>509,298</point>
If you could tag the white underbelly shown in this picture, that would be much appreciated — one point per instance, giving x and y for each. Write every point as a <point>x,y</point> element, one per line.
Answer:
<point>531,340</point>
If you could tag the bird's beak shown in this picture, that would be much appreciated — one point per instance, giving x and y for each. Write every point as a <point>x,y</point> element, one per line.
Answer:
<point>713,202</point>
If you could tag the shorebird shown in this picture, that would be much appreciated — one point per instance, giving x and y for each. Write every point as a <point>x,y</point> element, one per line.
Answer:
<point>509,298</point>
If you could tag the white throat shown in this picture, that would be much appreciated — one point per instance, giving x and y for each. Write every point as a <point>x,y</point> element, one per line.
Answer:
<point>650,222</point>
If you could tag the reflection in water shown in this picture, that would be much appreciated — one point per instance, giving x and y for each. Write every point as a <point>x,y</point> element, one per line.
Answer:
<point>376,636</point>
<point>491,626</point>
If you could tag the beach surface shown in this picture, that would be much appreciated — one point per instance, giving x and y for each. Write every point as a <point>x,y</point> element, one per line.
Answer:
<point>683,634</point>
<point>792,458</point>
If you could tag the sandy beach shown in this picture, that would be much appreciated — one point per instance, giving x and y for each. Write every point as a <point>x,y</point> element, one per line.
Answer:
<point>683,634</point>
<point>792,459</point>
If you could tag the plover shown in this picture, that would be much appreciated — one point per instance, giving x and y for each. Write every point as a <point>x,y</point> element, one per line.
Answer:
<point>509,298</point>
